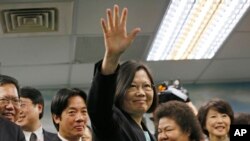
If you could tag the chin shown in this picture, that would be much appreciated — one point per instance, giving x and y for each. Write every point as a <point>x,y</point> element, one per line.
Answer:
<point>11,119</point>
<point>142,110</point>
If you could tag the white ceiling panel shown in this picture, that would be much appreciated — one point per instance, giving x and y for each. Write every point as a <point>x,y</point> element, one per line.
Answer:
<point>187,71</point>
<point>65,58</point>
<point>244,23</point>
<point>237,46</point>
<point>227,70</point>
<point>81,75</point>
<point>37,50</point>
<point>40,76</point>
<point>142,13</point>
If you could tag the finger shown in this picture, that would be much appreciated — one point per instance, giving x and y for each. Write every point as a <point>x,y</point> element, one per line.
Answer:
<point>110,19</point>
<point>104,27</point>
<point>116,15</point>
<point>123,20</point>
<point>133,33</point>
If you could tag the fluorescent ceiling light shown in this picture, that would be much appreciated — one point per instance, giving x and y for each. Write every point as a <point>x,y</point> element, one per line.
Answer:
<point>195,29</point>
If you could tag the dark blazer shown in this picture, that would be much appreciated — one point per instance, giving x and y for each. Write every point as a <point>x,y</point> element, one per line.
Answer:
<point>9,131</point>
<point>48,136</point>
<point>108,122</point>
<point>56,138</point>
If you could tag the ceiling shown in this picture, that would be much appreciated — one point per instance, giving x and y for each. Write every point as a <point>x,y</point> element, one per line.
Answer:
<point>66,57</point>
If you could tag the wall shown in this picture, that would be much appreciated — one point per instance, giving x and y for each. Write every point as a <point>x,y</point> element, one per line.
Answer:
<point>237,94</point>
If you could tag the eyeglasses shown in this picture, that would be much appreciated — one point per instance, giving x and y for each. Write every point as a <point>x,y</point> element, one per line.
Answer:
<point>145,87</point>
<point>5,101</point>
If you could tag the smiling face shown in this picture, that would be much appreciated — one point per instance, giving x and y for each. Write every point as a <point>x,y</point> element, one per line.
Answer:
<point>29,115</point>
<point>217,124</point>
<point>139,96</point>
<point>9,102</point>
<point>73,119</point>
<point>169,130</point>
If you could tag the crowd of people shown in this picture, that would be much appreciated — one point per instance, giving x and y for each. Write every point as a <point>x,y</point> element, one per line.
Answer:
<point>119,97</point>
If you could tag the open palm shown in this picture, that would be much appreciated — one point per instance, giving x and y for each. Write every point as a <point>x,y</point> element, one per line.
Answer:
<point>115,34</point>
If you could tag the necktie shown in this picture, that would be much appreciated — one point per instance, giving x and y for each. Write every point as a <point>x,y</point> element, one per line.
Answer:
<point>33,137</point>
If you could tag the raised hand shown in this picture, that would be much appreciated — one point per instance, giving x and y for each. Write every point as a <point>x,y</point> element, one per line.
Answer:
<point>116,38</point>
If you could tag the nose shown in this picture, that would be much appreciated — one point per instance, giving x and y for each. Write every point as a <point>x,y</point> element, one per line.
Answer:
<point>10,105</point>
<point>140,91</point>
<point>81,117</point>
<point>162,136</point>
<point>219,119</point>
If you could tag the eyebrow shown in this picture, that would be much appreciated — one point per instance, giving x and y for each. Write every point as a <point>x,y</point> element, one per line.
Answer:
<point>164,127</point>
<point>76,108</point>
<point>9,97</point>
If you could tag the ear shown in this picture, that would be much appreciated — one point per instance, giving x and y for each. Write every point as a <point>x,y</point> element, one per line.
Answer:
<point>56,118</point>
<point>40,108</point>
<point>189,132</point>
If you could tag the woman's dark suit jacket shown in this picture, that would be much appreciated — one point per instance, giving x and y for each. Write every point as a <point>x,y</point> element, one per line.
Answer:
<point>110,123</point>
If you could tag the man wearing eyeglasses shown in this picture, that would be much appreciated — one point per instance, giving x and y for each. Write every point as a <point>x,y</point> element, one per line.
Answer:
<point>9,109</point>
<point>31,113</point>
<point>9,98</point>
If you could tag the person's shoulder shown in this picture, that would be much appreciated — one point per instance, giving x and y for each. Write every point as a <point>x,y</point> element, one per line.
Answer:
<point>54,138</point>
<point>6,123</point>
<point>48,134</point>
<point>10,131</point>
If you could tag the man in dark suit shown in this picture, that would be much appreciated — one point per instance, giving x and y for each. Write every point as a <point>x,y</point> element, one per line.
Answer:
<point>69,113</point>
<point>9,108</point>
<point>31,112</point>
<point>9,131</point>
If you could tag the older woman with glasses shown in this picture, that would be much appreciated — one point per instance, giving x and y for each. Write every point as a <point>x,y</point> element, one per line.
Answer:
<point>120,94</point>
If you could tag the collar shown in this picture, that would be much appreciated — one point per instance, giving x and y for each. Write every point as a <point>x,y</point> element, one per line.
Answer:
<point>63,139</point>
<point>38,132</point>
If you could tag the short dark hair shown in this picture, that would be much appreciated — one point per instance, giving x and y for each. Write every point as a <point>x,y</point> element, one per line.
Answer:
<point>183,115</point>
<point>5,79</point>
<point>125,77</point>
<point>60,101</point>
<point>216,104</point>
<point>34,95</point>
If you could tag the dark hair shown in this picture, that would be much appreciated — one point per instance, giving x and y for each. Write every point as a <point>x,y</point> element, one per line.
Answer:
<point>5,79</point>
<point>60,101</point>
<point>242,118</point>
<point>216,104</point>
<point>125,77</point>
<point>183,115</point>
<point>34,95</point>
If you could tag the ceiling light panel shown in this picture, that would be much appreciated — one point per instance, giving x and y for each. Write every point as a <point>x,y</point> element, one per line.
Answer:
<point>195,29</point>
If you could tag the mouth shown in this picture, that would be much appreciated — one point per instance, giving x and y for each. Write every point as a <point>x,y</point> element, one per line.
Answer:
<point>79,127</point>
<point>20,118</point>
<point>140,100</point>
<point>8,114</point>
<point>220,128</point>
<point>10,117</point>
